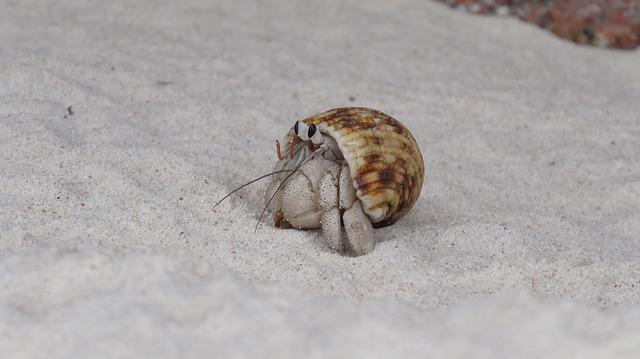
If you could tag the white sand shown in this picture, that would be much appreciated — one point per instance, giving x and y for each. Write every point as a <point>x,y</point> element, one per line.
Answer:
<point>525,242</point>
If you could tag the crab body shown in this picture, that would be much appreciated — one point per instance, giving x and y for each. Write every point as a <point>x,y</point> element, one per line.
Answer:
<point>353,168</point>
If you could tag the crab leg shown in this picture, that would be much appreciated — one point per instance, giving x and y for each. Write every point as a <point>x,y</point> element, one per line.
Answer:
<point>357,224</point>
<point>328,205</point>
<point>359,230</point>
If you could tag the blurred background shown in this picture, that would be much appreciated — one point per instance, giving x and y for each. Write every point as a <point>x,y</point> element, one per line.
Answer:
<point>604,23</point>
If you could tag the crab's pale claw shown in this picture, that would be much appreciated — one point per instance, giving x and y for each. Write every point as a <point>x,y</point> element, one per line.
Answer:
<point>299,203</point>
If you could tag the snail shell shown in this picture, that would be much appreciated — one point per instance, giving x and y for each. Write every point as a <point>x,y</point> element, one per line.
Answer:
<point>384,159</point>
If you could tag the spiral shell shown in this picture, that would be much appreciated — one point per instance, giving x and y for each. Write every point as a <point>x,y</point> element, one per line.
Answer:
<point>384,159</point>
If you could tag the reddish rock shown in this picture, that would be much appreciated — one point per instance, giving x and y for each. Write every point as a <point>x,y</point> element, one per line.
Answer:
<point>610,23</point>
<point>574,19</point>
<point>535,13</point>
<point>613,35</point>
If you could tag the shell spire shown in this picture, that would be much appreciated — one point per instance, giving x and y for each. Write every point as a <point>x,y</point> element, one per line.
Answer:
<point>386,164</point>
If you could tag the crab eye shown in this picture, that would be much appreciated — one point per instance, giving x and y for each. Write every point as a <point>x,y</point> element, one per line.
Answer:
<point>314,135</point>
<point>301,130</point>
<point>311,131</point>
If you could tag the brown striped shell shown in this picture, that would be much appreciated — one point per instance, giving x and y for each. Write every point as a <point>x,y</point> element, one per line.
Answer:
<point>384,159</point>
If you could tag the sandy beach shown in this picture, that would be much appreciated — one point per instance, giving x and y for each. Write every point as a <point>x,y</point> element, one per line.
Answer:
<point>122,123</point>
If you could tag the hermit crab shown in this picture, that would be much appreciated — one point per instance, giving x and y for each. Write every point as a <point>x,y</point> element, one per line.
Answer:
<point>354,168</point>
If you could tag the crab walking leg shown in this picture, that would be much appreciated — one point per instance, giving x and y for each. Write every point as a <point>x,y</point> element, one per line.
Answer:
<point>357,224</point>
<point>328,205</point>
<point>359,230</point>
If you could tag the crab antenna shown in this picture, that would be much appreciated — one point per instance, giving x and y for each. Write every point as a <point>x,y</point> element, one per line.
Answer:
<point>248,183</point>
<point>291,149</point>
<point>280,156</point>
